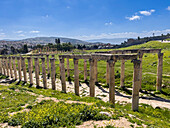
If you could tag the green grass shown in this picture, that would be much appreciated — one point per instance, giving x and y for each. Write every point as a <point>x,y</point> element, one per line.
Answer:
<point>48,113</point>
<point>11,101</point>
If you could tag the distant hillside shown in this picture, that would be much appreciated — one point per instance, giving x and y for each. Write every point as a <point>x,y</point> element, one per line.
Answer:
<point>46,40</point>
<point>111,41</point>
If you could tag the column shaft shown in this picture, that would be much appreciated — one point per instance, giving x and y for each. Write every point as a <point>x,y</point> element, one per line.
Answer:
<point>30,69</point>
<point>107,73</point>
<point>6,65</point>
<point>136,80</point>
<point>62,74</point>
<point>140,74</point>
<point>14,67</point>
<point>3,66</point>
<point>10,67</point>
<point>24,69</point>
<point>48,67</point>
<point>85,70</point>
<point>92,78</point>
<point>95,69</point>
<point>36,60</point>
<point>111,82</point>
<point>0,65</point>
<point>53,71</point>
<point>19,68</point>
<point>122,76</point>
<point>68,68</point>
<point>159,72</point>
<point>76,77</point>
<point>44,73</point>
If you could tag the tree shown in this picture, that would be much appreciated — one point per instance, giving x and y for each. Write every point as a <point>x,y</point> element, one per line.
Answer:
<point>13,50</point>
<point>138,38</point>
<point>25,48</point>
<point>57,41</point>
<point>4,51</point>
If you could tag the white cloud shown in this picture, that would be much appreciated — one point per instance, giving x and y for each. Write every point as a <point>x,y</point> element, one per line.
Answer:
<point>135,17</point>
<point>147,13</point>
<point>19,31</point>
<point>122,35</point>
<point>45,16</point>
<point>21,35</point>
<point>168,8</point>
<point>109,23</point>
<point>34,31</point>
<point>2,35</point>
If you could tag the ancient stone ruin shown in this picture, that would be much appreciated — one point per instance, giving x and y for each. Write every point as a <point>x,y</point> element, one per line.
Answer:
<point>8,68</point>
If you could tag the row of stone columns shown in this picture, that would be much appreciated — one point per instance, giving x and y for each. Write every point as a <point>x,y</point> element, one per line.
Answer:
<point>122,76</point>
<point>111,81</point>
<point>6,66</point>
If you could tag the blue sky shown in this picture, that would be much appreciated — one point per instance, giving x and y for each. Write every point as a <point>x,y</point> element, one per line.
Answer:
<point>83,19</point>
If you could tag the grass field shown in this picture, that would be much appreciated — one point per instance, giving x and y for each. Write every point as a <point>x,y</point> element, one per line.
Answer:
<point>20,107</point>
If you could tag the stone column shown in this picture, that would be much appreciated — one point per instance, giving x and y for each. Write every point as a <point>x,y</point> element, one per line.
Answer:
<point>24,69</point>
<point>6,65</point>
<point>136,81</point>
<point>76,76</point>
<point>62,74</point>
<point>140,82</point>
<point>36,60</point>
<point>95,70</point>
<point>111,82</point>
<point>53,71</point>
<point>68,69</point>
<point>14,67</point>
<point>122,76</point>
<point>92,78</point>
<point>0,65</point>
<point>85,70</point>
<point>10,67</point>
<point>19,68</point>
<point>44,73</point>
<point>30,69</point>
<point>33,64</point>
<point>3,68</point>
<point>159,72</point>
<point>48,67</point>
<point>107,73</point>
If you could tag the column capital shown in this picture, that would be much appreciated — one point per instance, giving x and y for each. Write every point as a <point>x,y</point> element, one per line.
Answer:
<point>18,58</point>
<point>135,61</point>
<point>61,60</point>
<point>35,58</point>
<point>76,60</point>
<point>13,57</point>
<point>28,58</point>
<point>52,59</point>
<point>140,54</point>
<point>160,55</point>
<point>43,59</point>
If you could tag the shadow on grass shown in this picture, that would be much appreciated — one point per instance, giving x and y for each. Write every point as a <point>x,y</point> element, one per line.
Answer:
<point>154,97</point>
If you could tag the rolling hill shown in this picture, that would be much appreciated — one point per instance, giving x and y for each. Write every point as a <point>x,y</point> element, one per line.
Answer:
<point>45,40</point>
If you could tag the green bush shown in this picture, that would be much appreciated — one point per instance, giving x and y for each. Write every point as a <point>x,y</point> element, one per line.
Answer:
<point>49,113</point>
